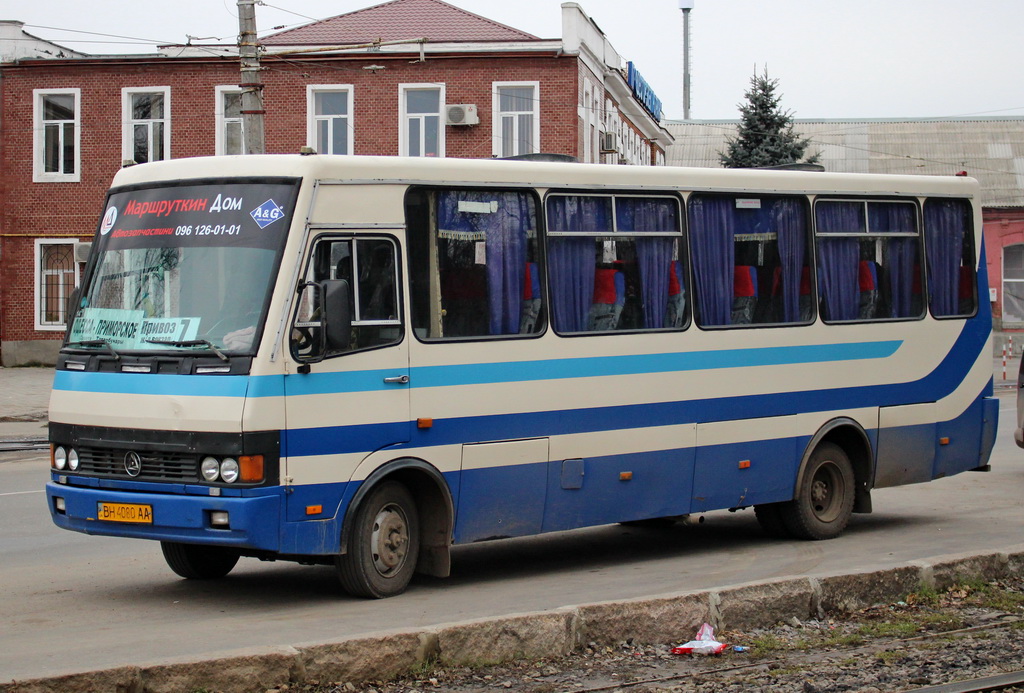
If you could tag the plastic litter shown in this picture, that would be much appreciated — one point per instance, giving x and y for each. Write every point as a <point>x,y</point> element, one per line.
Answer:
<point>704,643</point>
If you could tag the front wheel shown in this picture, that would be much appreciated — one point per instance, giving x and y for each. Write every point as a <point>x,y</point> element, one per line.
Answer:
<point>823,507</point>
<point>383,545</point>
<point>195,562</point>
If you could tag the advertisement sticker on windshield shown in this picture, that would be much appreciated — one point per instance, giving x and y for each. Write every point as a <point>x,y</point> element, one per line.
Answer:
<point>267,213</point>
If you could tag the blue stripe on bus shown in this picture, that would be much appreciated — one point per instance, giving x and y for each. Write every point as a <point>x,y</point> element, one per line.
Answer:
<point>468,374</point>
<point>367,437</point>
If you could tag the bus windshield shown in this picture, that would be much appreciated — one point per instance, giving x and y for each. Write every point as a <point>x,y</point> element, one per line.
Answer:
<point>184,267</point>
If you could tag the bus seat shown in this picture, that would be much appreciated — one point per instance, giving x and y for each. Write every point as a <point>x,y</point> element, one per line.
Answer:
<point>966,290</point>
<point>531,299</point>
<point>676,308</point>
<point>609,298</point>
<point>806,305</point>
<point>744,291</point>
<point>867,278</point>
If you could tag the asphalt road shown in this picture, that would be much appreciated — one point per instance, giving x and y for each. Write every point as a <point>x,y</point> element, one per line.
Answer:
<point>73,603</point>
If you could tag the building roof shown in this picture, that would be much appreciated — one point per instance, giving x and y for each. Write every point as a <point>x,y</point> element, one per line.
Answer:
<point>397,20</point>
<point>989,149</point>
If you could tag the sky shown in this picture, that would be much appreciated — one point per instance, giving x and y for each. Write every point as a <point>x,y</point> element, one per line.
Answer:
<point>832,58</point>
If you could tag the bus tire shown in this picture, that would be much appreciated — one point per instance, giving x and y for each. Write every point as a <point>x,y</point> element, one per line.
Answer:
<point>824,504</point>
<point>769,516</point>
<point>194,562</point>
<point>383,545</point>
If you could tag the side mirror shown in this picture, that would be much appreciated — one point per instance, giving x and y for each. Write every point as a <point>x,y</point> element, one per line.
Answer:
<point>337,317</point>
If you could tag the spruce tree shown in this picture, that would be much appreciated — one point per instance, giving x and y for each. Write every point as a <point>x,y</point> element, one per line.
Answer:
<point>765,135</point>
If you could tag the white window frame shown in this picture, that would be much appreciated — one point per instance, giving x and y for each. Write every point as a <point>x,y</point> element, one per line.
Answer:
<point>311,117</point>
<point>496,116</point>
<point>37,289</point>
<point>39,173</point>
<point>128,123</point>
<point>220,141</point>
<point>404,117</point>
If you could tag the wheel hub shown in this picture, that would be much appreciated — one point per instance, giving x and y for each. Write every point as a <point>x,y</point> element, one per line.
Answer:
<point>390,540</point>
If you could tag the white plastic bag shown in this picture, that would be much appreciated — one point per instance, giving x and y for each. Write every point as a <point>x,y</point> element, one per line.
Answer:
<point>704,644</point>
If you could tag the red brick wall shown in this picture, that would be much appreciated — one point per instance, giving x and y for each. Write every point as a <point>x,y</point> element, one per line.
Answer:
<point>34,210</point>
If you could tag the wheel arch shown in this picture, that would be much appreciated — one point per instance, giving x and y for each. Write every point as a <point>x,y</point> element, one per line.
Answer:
<point>855,442</point>
<point>434,506</point>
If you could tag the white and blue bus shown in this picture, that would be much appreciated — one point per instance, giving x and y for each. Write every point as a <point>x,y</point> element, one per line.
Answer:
<point>366,360</point>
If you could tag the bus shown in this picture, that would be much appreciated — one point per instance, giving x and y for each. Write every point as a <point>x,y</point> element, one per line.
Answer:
<point>364,361</point>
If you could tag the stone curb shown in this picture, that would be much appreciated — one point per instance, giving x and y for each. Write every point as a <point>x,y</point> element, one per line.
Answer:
<point>661,619</point>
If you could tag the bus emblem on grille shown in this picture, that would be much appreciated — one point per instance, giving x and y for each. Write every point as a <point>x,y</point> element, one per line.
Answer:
<point>133,463</point>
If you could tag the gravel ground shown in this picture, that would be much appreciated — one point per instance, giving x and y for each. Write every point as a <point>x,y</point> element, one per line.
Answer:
<point>969,631</point>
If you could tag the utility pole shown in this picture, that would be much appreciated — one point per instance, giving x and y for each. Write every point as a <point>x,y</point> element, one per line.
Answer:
<point>251,83</point>
<point>686,6</point>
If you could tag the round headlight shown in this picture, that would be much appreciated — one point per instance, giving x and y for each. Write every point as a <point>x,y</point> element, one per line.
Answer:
<point>229,470</point>
<point>73,459</point>
<point>210,468</point>
<point>60,458</point>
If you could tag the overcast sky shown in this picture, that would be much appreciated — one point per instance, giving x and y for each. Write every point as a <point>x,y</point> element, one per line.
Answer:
<point>833,58</point>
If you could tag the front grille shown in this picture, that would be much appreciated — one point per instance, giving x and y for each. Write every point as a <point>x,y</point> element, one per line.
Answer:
<point>156,466</point>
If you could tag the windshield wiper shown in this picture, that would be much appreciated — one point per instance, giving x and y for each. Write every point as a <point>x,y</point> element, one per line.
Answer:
<point>96,343</point>
<point>190,343</point>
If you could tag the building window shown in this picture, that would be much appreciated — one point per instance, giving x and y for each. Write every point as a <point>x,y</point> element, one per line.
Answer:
<point>422,128</point>
<point>230,137</point>
<point>56,278</point>
<point>329,109</point>
<point>1013,284</point>
<point>56,135</point>
<point>147,132</point>
<point>516,118</point>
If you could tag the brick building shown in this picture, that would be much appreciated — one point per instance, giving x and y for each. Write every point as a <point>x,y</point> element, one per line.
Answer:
<point>407,77</point>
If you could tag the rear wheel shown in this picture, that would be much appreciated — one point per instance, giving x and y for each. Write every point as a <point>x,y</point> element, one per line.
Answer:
<point>383,545</point>
<point>196,562</point>
<point>823,507</point>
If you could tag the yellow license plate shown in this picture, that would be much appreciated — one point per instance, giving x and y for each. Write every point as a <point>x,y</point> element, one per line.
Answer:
<point>124,512</point>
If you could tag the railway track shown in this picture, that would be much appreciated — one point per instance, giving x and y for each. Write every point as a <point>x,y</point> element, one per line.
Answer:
<point>1006,681</point>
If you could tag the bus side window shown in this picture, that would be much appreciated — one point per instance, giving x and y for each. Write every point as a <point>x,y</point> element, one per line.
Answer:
<point>751,259</point>
<point>869,254</point>
<point>948,230</point>
<point>615,263</point>
<point>370,267</point>
<point>474,263</point>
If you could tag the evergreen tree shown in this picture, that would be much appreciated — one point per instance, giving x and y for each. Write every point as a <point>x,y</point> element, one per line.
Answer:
<point>765,136</point>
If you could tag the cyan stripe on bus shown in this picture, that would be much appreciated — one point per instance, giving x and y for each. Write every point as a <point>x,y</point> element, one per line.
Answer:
<point>942,381</point>
<point>468,374</point>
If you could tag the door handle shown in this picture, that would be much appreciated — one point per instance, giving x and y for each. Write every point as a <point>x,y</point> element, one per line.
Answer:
<point>397,380</point>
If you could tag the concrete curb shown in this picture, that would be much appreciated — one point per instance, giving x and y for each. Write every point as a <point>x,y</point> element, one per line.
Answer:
<point>661,619</point>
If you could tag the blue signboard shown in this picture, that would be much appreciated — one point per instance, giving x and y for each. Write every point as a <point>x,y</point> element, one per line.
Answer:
<point>642,91</point>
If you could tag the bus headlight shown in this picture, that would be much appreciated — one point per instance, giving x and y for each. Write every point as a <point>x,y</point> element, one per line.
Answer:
<point>73,459</point>
<point>60,457</point>
<point>210,468</point>
<point>229,470</point>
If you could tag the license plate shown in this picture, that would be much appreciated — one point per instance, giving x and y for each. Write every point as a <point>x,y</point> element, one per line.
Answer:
<point>124,512</point>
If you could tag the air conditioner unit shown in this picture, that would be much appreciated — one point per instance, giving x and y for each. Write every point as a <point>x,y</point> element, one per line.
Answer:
<point>82,252</point>
<point>609,142</point>
<point>461,114</point>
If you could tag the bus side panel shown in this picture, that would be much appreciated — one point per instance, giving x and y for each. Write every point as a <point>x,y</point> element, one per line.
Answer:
<point>502,489</point>
<point>618,488</point>
<point>966,442</point>
<point>741,463</point>
<point>906,444</point>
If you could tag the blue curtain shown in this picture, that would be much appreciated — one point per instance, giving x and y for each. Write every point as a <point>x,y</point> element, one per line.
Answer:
<point>712,225</point>
<point>901,253</point>
<point>839,258</point>
<point>790,225</point>
<point>572,260</point>
<point>945,224</point>
<point>504,227</point>
<point>654,255</point>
